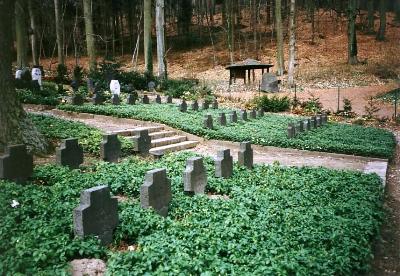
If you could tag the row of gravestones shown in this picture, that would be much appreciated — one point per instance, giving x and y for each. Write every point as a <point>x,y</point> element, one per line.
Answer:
<point>306,125</point>
<point>183,106</point>
<point>17,165</point>
<point>232,117</point>
<point>97,99</point>
<point>97,213</point>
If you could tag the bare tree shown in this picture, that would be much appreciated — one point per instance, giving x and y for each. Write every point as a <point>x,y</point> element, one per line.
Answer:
<point>59,32</point>
<point>160,24</point>
<point>280,62</point>
<point>292,42</point>
<point>148,53</point>
<point>90,38</point>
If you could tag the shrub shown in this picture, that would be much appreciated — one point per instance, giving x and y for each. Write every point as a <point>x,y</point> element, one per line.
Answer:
<point>273,104</point>
<point>62,74</point>
<point>48,95</point>
<point>312,105</point>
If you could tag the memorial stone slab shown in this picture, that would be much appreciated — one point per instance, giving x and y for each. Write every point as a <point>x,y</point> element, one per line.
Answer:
<point>291,132</point>
<point>243,115</point>
<point>16,164</point>
<point>115,87</point>
<point>195,176</point>
<point>110,148</point>
<point>253,114</point>
<point>97,214</point>
<point>132,98</point>
<point>37,75</point>
<point>169,99</point>
<point>222,119</point>
<point>245,155</point>
<point>156,191</point>
<point>195,106</point>
<point>115,99</point>
<point>142,141</point>
<point>69,154</point>
<point>183,106</point>
<point>208,121</point>
<point>224,164</point>
<point>269,83</point>
<point>205,105</point>
<point>215,104</point>
<point>145,99</point>
<point>158,99</point>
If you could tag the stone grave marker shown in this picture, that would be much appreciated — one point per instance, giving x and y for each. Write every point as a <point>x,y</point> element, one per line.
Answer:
<point>308,124</point>
<point>37,75</point>
<point>233,117</point>
<point>195,176</point>
<point>269,83</point>
<point>318,120</point>
<point>145,99</point>
<point>215,104</point>
<point>260,112</point>
<point>151,86</point>
<point>156,191</point>
<point>305,125</point>
<point>169,99</point>
<point>291,131</point>
<point>97,214</point>
<point>69,154</point>
<point>224,164</point>
<point>115,99</point>
<point>183,106</point>
<point>222,119</point>
<point>205,105</point>
<point>301,126</point>
<point>115,87</point>
<point>16,164</point>
<point>324,119</point>
<point>313,122</point>
<point>195,106</point>
<point>245,155</point>
<point>77,99</point>
<point>90,86</point>
<point>243,115</point>
<point>97,99</point>
<point>142,141</point>
<point>132,98</point>
<point>18,74</point>
<point>253,114</point>
<point>110,148</point>
<point>208,121</point>
<point>158,99</point>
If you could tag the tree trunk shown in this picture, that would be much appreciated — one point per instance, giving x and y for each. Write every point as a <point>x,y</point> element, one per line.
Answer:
<point>148,49</point>
<point>351,33</point>
<point>371,20</point>
<point>35,54</point>
<point>15,128</point>
<point>231,30</point>
<point>397,10</point>
<point>380,36</point>
<point>160,24</point>
<point>292,42</point>
<point>59,32</point>
<point>21,34</point>
<point>90,38</point>
<point>280,62</point>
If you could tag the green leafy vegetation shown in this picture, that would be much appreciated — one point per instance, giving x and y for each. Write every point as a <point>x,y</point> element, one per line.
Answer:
<point>271,130</point>
<point>90,138</point>
<point>390,96</point>
<point>277,221</point>
<point>48,95</point>
<point>273,104</point>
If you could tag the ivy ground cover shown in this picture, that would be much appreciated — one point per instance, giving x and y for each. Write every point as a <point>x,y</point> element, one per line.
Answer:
<point>270,130</point>
<point>277,221</point>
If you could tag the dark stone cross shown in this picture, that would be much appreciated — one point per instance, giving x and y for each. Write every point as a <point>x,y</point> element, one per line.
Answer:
<point>115,99</point>
<point>169,99</point>
<point>233,118</point>
<point>208,121</point>
<point>110,148</point>
<point>183,106</point>
<point>215,104</point>
<point>224,164</point>
<point>142,141</point>
<point>222,119</point>
<point>195,176</point>
<point>69,154</point>
<point>245,155</point>
<point>146,99</point>
<point>195,106</point>
<point>132,98</point>
<point>243,115</point>
<point>156,191</point>
<point>158,99</point>
<point>16,164</point>
<point>97,214</point>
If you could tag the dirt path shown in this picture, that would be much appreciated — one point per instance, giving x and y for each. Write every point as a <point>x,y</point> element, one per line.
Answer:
<point>262,154</point>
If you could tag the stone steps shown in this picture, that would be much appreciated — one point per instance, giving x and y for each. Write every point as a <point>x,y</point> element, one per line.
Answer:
<point>174,147</point>
<point>162,140</point>
<point>167,141</point>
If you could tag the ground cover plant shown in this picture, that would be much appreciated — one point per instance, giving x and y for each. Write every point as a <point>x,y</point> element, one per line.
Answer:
<point>48,95</point>
<point>277,221</point>
<point>56,129</point>
<point>270,130</point>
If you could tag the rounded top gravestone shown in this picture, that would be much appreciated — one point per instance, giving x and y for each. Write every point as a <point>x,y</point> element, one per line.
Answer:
<point>37,75</point>
<point>18,74</point>
<point>115,87</point>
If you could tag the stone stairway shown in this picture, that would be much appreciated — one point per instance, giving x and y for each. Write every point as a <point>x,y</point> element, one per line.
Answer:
<point>162,140</point>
